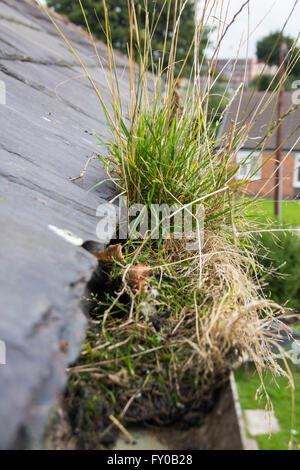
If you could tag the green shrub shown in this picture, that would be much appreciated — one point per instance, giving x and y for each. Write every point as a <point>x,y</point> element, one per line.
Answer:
<point>281,251</point>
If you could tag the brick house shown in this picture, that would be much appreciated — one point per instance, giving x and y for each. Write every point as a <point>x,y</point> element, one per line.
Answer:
<point>259,164</point>
<point>236,70</point>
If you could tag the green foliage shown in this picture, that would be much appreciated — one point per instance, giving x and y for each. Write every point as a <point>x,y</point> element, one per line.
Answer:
<point>281,250</point>
<point>120,31</point>
<point>217,101</point>
<point>263,82</point>
<point>271,44</point>
<point>269,82</point>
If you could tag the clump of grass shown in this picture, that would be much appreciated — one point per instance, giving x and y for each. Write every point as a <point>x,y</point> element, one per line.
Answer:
<point>167,353</point>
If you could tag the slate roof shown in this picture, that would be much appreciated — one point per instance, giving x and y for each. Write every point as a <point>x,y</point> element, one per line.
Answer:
<point>46,138</point>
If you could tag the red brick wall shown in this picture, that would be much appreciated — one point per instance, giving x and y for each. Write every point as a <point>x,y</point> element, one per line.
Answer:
<point>265,186</point>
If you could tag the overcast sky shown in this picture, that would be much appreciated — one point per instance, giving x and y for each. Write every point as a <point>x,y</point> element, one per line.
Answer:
<point>264,16</point>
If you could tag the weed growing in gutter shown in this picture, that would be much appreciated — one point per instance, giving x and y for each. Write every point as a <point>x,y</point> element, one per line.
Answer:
<point>159,353</point>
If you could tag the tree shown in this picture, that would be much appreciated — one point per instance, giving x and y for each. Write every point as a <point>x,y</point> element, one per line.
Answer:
<point>265,46</point>
<point>119,25</point>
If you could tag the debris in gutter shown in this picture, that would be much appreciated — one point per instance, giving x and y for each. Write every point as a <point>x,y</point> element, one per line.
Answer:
<point>138,277</point>
<point>111,253</point>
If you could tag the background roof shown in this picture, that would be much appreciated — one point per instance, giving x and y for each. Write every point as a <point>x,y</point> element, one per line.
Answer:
<point>243,109</point>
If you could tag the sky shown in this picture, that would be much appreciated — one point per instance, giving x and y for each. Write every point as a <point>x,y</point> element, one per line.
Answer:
<point>263,16</point>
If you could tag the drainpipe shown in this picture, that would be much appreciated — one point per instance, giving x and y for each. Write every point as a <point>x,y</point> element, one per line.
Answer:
<point>278,160</point>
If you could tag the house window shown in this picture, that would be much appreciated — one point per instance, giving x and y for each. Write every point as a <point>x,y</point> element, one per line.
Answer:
<point>297,171</point>
<point>249,165</point>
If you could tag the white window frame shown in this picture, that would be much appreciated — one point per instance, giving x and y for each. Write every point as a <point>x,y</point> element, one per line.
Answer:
<point>247,169</point>
<point>297,171</point>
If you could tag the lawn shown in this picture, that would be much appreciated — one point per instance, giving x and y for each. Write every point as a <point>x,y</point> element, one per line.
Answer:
<point>280,394</point>
<point>263,210</point>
